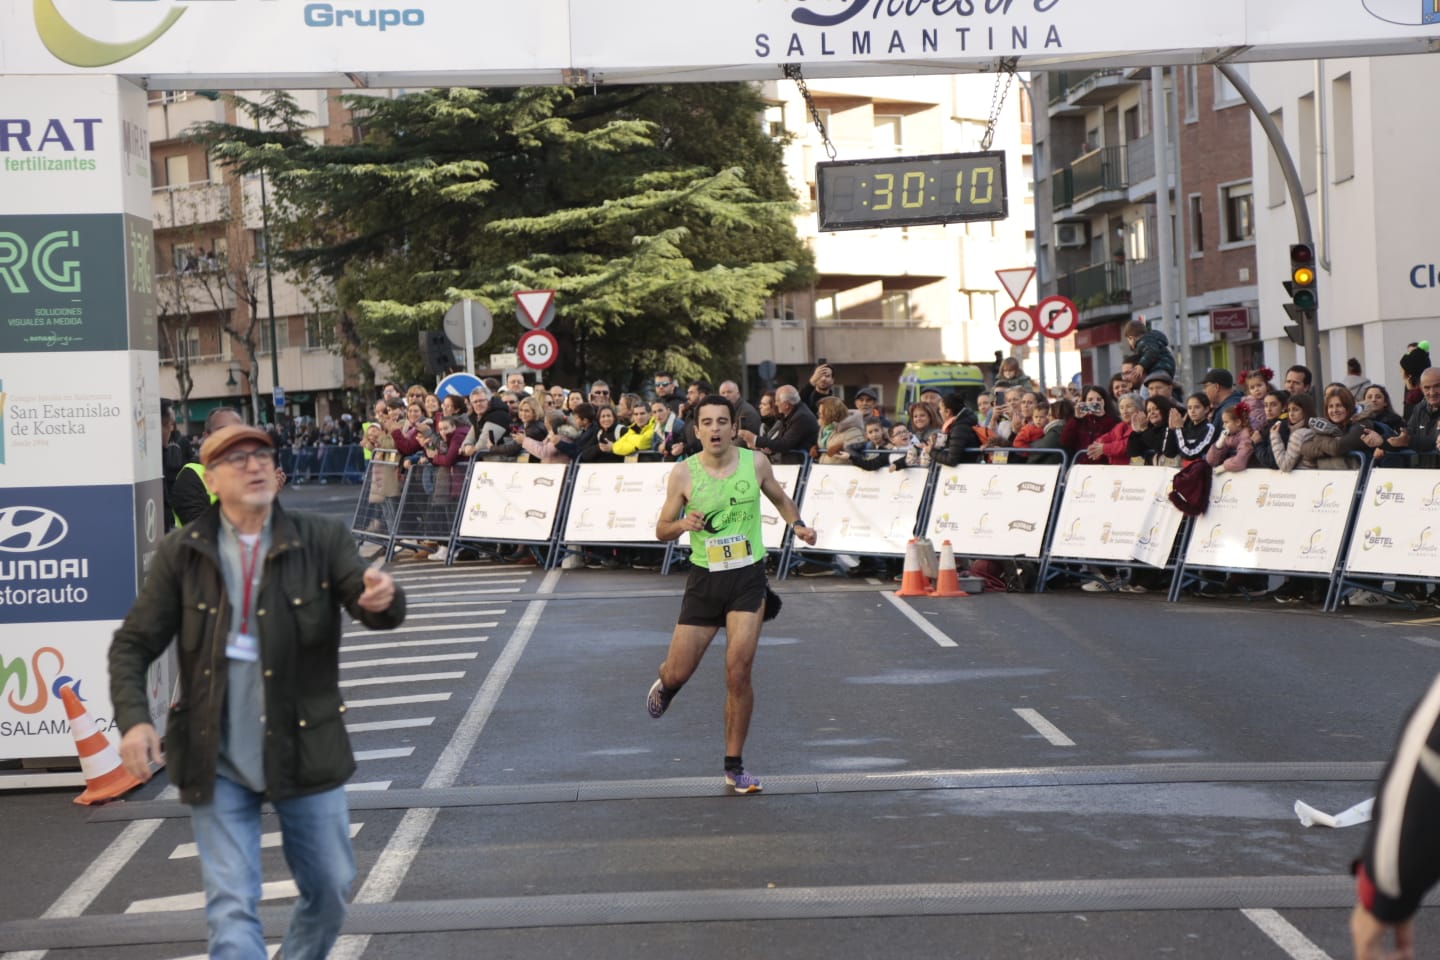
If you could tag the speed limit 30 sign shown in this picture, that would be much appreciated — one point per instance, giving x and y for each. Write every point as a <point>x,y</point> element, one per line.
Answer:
<point>1017,325</point>
<point>537,348</point>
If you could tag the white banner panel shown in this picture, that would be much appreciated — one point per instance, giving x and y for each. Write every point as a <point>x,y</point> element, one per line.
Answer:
<point>36,660</point>
<point>70,419</point>
<point>863,511</point>
<point>1397,530</point>
<point>993,510</point>
<point>772,525</point>
<point>1268,520</point>
<point>512,501</point>
<point>1117,513</point>
<point>616,502</point>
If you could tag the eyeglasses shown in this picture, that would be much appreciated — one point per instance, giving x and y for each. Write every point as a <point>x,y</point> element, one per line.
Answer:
<point>240,459</point>
<point>599,393</point>
<point>662,383</point>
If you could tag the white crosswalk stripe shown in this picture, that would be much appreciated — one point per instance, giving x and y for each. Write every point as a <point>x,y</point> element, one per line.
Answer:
<point>408,644</point>
<point>463,613</point>
<point>403,678</point>
<point>406,630</point>
<point>398,701</point>
<point>366,785</point>
<point>268,840</point>
<point>373,726</point>
<point>389,753</point>
<point>398,661</point>
<point>277,890</point>
<point>270,950</point>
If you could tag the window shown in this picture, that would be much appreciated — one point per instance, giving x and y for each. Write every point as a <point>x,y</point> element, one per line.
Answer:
<point>1225,93</point>
<point>1237,210</point>
<point>887,134</point>
<point>319,329</point>
<point>1278,191</point>
<point>827,306</point>
<point>1192,94</point>
<point>1344,128</point>
<point>184,258</point>
<point>1137,239</point>
<point>895,305</point>
<point>190,346</point>
<point>282,330</point>
<point>177,171</point>
<point>1028,172</point>
<point>774,125</point>
<point>1197,225</point>
<point>1308,138</point>
<point>1133,127</point>
<point>257,245</point>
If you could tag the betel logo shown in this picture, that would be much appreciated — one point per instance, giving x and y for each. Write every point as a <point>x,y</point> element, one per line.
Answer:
<point>62,276</point>
<point>1412,13</point>
<point>30,529</point>
<point>79,50</point>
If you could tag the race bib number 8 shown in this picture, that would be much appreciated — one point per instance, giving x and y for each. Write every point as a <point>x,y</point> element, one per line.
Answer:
<point>728,553</point>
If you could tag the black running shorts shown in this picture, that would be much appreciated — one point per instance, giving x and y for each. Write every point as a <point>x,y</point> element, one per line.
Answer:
<point>710,596</point>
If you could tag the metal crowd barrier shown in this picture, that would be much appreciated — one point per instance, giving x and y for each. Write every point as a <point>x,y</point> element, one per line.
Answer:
<point>323,464</point>
<point>1354,528</point>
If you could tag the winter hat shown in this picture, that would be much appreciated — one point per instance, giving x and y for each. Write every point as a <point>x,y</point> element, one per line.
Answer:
<point>1190,489</point>
<point>1415,362</point>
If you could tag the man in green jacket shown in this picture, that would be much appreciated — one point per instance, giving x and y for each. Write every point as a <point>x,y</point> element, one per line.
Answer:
<point>253,596</point>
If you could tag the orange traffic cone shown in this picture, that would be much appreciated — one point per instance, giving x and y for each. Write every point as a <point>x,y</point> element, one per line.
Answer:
<point>912,581</point>
<point>947,581</point>
<point>105,778</point>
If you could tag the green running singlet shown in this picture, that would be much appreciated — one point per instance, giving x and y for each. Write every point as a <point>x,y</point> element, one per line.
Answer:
<point>732,536</point>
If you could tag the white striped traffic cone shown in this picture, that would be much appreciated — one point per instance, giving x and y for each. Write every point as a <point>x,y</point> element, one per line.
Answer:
<point>105,778</point>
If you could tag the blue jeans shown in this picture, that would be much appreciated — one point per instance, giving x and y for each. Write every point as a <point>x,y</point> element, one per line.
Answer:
<point>315,835</point>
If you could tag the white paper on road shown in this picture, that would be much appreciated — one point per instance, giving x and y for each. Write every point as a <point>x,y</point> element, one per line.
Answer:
<point>1310,817</point>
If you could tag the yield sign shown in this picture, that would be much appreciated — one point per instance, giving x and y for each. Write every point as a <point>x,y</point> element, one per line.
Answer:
<point>535,308</point>
<point>1016,281</point>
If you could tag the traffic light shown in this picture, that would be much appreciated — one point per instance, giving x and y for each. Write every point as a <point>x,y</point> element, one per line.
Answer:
<point>1301,289</point>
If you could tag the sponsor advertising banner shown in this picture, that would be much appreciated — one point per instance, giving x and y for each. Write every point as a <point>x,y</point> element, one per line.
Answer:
<point>1117,513</point>
<point>1268,520</point>
<point>63,283</point>
<point>773,527</point>
<point>60,556</point>
<point>862,511</point>
<point>79,418</point>
<point>1397,530</point>
<point>36,660</point>
<point>986,510</point>
<point>512,501</point>
<point>533,42</point>
<point>616,502</point>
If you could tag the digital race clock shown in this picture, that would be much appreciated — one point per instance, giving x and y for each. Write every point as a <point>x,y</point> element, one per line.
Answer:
<point>907,191</point>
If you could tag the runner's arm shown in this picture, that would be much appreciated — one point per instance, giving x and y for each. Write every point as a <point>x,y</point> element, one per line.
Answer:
<point>667,527</point>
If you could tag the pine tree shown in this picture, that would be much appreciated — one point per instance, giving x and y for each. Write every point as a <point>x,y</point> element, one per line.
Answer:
<point>661,215</point>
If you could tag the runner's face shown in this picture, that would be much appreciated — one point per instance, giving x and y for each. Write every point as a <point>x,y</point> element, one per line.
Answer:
<point>715,429</point>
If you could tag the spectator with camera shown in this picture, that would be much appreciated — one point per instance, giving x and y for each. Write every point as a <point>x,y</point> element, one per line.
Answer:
<point>797,429</point>
<point>1114,446</point>
<point>820,386</point>
<point>1337,434</point>
<point>1095,416</point>
<point>957,433</point>
<point>1384,429</point>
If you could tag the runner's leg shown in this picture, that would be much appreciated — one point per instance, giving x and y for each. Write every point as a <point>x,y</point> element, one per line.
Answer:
<point>687,645</point>
<point>742,637</point>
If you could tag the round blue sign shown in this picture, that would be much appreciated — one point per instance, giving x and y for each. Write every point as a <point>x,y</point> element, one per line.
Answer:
<point>457,385</point>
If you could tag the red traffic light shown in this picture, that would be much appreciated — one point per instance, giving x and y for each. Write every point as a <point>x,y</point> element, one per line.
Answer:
<point>1301,253</point>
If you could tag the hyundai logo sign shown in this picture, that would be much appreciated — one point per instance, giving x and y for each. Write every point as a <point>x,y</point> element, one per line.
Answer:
<point>30,529</point>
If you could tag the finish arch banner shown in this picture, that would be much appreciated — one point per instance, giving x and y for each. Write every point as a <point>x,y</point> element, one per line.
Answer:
<point>1265,520</point>
<point>986,510</point>
<point>1117,513</point>
<point>862,511</point>
<point>512,501</point>
<point>1397,529</point>
<point>616,502</point>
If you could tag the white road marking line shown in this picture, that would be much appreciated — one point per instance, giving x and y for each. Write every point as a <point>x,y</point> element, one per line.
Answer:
<point>1044,727</point>
<point>389,753</point>
<point>441,616</point>
<point>873,581</point>
<point>270,839</point>
<point>411,644</point>
<point>404,845</point>
<point>98,873</point>
<point>460,573</point>
<point>270,950</point>
<point>455,585</point>
<point>429,628</point>
<point>404,678</point>
<point>404,724</point>
<point>926,627</point>
<point>398,701</point>
<point>277,890</point>
<point>458,607</point>
<point>397,661</point>
<point>367,785</point>
<point>459,595</point>
<point>1285,935</point>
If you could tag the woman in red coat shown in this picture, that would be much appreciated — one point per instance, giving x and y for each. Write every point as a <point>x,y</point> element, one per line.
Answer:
<point>1094,417</point>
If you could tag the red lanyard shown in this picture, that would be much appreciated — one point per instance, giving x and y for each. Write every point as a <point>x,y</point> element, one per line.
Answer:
<point>247,570</point>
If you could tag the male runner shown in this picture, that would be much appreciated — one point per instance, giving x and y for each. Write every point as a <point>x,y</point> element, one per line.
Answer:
<point>716,496</point>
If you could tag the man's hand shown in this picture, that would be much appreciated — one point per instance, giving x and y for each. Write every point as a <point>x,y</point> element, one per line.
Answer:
<point>280,479</point>
<point>1095,451</point>
<point>139,748</point>
<point>692,522</point>
<point>1371,438</point>
<point>1136,375</point>
<point>379,592</point>
<point>805,533</point>
<point>676,449</point>
<point>1368,936</point>
<point>748,436</point>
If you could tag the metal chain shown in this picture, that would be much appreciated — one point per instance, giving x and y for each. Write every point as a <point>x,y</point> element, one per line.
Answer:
<point>792,72</point>
<point>1005,69</point>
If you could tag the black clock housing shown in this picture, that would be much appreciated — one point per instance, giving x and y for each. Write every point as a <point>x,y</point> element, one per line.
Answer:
<point>909,191</point>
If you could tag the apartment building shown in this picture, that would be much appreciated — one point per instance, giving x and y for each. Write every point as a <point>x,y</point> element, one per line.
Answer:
<point>890,296</point>
<point>1359,143</point>
<point>1099,196</point>
<point>213,284</point>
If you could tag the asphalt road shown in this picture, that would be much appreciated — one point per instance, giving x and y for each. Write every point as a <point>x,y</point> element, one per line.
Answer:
<point>1068,775</point>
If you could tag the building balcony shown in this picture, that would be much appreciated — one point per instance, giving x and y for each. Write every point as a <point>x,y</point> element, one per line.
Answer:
<point>190,205</point>
<point>177,111</point>
<point>1101,181</point>
<point>1062,188</point>
<point>876,341</point>
<point>1073,92</point>
<point>1101,291</point>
